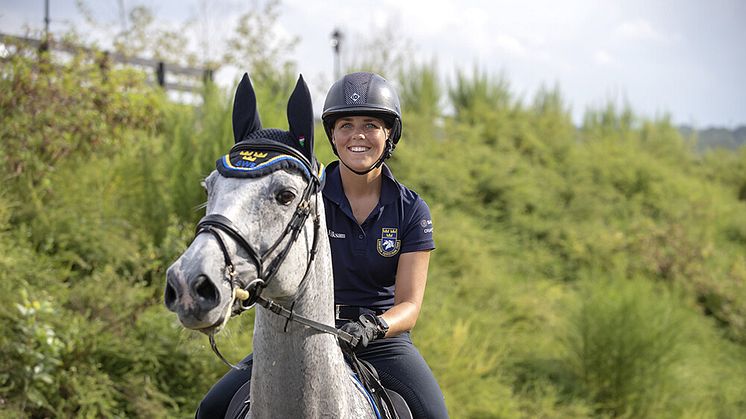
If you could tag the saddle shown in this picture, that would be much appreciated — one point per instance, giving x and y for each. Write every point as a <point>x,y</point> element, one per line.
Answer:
<point>389,403</point>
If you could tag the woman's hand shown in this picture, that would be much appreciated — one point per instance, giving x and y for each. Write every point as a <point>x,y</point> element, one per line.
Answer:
<point>366,329</point>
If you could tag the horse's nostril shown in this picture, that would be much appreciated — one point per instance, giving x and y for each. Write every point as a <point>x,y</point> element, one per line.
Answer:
<point>204,288</point>
<point>169,296</point>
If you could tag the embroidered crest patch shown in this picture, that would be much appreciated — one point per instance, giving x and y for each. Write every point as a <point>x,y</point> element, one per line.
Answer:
<point>388,245</point>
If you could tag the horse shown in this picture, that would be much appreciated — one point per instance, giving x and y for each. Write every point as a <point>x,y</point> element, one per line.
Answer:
<point>263,243</point>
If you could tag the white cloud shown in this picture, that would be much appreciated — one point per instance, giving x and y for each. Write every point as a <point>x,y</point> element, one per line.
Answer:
<point>641,30</point>
<point>510,44</point>
<point>380,19</point>
<point>602,57</point>
<point>429,17</point>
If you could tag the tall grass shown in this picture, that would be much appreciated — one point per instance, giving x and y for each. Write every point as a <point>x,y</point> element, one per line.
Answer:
<point>624,341</point>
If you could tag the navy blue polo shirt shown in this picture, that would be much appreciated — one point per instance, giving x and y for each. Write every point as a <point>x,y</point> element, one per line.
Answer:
<point>365,257</point>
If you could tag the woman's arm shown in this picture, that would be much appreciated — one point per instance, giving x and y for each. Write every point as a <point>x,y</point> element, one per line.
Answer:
<point>411,278</point>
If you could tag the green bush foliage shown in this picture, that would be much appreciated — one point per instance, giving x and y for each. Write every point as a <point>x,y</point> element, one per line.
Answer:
<point>86,235</point>
<point>596,271</point>
<point>624,341</point>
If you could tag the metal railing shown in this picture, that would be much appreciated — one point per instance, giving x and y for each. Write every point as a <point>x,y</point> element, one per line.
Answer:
<point>160,69</point>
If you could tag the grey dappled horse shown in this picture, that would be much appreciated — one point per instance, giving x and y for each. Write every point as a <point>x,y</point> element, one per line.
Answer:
<point>263,224</point>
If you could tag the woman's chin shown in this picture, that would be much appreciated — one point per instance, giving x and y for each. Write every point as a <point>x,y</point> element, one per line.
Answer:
<point>359,163</point>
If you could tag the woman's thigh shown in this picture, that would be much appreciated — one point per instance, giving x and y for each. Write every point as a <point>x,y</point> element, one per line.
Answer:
<point>216,401</point>
<point>402,368</point>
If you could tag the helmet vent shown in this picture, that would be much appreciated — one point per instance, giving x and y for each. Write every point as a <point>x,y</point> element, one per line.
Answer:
<point>356,88</point>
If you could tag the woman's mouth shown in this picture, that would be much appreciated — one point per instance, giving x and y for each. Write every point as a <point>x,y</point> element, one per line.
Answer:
<point>358,149</point>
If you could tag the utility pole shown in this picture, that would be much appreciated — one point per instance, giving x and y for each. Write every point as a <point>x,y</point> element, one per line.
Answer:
<point>45,43</point>
<point>336,42</point>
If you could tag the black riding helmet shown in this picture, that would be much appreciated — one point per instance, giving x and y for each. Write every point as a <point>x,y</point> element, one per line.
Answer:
<point>364,94</point>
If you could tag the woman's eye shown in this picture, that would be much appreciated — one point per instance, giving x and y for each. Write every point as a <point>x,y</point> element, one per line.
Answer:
<point>285,197</point>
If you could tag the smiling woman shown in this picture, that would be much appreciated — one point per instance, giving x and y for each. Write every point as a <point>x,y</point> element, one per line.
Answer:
<point>380,268</point>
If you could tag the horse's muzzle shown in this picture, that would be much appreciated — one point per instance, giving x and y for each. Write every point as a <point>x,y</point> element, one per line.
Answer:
<point>191,298</point>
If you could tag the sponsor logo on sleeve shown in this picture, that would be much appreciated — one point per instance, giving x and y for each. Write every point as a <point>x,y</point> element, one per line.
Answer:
<point>427,226</point>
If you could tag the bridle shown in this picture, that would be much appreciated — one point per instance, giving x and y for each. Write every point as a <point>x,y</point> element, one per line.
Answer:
<point>252,293</point>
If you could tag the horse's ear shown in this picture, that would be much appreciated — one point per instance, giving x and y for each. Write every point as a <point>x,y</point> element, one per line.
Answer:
<point>245,116</point>
<point>300,118</point>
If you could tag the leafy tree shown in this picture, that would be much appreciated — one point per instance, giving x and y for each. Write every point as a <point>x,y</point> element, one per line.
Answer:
<point>385,52</point>
<point>420,91</point>
<point>256,48</point>
<point>141,35</point>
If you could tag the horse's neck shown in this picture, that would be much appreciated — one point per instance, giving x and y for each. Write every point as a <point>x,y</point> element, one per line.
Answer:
<point>301,372</point>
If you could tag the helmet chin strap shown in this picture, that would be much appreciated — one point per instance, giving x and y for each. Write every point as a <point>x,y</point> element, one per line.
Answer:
<point>386,154</point>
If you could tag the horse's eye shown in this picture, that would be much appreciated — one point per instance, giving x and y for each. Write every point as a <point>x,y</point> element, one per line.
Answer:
<point>285,197</point>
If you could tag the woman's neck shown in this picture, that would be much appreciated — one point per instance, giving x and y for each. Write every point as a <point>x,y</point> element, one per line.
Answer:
<point>357,186</point>
<point>362,191</point>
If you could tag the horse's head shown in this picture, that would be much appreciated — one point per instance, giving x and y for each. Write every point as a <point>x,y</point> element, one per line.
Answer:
<point>254,233</point>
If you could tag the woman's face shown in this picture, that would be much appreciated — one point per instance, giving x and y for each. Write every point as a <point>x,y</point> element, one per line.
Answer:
<point>360,140</point>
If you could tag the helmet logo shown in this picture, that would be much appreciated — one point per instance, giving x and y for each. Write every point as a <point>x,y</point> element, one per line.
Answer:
<point>355,97</point>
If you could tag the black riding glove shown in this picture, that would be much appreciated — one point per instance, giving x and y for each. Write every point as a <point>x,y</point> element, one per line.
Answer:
<point>366,329</point>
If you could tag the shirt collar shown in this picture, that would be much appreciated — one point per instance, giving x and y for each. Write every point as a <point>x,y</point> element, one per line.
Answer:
<point>333,188</point>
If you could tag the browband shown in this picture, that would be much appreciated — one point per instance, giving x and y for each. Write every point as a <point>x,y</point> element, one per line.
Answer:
<point>256,159</point>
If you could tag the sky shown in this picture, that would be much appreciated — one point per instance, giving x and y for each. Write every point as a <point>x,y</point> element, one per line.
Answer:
<point>685,58</point>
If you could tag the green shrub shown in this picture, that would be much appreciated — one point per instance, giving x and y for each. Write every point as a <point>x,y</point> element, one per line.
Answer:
<point>624,341</point>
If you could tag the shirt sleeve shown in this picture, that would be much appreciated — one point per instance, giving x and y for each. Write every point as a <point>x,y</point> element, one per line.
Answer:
<point>418,229</point>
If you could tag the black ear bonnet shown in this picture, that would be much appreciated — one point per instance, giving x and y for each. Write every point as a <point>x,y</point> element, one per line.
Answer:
<point>259,151</point>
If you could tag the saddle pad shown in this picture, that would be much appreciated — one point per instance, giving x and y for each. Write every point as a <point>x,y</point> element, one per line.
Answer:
<point>240,403</point>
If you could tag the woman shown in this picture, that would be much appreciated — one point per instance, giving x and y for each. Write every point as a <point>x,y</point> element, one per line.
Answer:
<point>381,237</point>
